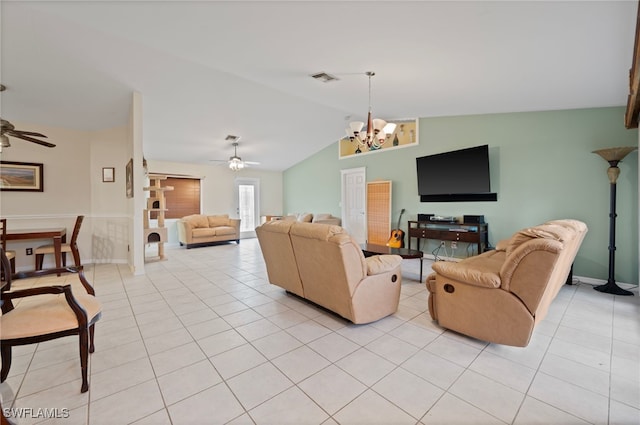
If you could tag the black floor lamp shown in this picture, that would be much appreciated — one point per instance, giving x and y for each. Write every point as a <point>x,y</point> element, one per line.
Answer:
<point>613,156</point>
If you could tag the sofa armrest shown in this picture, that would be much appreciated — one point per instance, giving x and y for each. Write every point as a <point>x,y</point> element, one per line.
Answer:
<point>185,234</point>
<point>235,223</point>
<point>471,274</point>
<point>538,255</point>
<point>379,264</point>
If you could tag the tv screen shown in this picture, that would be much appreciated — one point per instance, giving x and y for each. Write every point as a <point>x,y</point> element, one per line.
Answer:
<point>461,175</point>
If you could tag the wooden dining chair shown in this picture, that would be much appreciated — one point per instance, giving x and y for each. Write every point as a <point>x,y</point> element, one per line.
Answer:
<point>11,255</point>
<point>43,313</point>
<point>71,247</point>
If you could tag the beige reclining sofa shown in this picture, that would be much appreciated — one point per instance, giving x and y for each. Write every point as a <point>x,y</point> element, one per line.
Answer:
<point>322,218</point>
<point>501,295</point>
<point>200,230</point>
<point>325,265</point>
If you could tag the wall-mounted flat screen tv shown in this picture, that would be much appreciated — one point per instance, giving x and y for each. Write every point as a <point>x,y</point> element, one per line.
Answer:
<point>455,176</point>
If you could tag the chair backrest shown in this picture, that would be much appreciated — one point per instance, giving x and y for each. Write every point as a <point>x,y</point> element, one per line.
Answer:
<point>277,251</point>
<point>5,270</point>
<point>3,223</point>
<point>76,229</point>
<point>331,264</point>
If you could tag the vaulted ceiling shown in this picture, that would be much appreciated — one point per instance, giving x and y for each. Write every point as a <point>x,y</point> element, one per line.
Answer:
<point>213,68</point>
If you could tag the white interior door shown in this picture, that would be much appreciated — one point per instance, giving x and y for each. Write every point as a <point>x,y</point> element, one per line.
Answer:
<point>248,205</point>
<point>354,201</point>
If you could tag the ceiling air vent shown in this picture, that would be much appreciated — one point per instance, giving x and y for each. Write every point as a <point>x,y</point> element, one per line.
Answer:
<point>324,77</point>
<point>231,138</point>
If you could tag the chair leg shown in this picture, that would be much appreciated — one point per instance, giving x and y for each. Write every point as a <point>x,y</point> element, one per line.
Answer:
<point>64,259</point>
<point>39,260</point>
<point>13,265</point>
<point>84,359</point>
<point>92,330</point>
<point>5,354</point>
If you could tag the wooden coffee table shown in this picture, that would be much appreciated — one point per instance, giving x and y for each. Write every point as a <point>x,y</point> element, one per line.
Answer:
<point>369,250</point>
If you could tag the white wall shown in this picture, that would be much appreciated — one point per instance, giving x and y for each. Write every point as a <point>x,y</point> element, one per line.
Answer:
<point>218,188</point>
<point>72,186</point>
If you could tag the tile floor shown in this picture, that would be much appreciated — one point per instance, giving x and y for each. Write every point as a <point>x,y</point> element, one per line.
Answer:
<point>203,338</point>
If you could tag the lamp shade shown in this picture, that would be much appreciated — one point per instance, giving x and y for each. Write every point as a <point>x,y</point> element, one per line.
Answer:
<point>378,124</point>
<point>615,154</point>
<point>356,126</point>
<point>389,128</point>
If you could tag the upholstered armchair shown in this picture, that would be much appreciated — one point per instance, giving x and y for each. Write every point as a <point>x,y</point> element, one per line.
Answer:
<point>43,313</point>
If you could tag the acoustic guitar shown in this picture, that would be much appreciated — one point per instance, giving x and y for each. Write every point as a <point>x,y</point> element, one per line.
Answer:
<point>397,235</point>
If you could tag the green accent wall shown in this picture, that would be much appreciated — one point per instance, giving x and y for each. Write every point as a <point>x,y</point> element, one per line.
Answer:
<point>542,168</point>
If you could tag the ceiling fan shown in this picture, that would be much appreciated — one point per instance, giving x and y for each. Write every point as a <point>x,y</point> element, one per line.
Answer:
<point>7,129</point>
<point>235,162</point>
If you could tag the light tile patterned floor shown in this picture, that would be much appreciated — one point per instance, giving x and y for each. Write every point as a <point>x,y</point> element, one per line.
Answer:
<point>203,338</point>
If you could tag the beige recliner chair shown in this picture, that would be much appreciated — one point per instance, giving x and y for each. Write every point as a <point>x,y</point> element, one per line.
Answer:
<point>501,295</point>
<point>325,265</point>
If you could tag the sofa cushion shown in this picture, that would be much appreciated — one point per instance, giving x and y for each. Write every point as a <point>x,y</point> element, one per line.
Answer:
<point>318,217</point>
<point>197,221</point>
<point>203,232</point>
<point>543,231</point>
<point>218,220</point>
<point>224,230</point>
<point>305,217</point>
<point>320,231</point>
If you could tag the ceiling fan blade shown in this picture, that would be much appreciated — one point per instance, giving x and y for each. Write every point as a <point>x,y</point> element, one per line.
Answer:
<point>26,133</point>
<point>30,139</point>
<point>251,162</point>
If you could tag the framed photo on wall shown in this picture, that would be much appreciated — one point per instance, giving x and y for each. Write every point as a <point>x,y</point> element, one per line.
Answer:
<point>129,178</point>
<point>21,176</point>
<point>108,174</point>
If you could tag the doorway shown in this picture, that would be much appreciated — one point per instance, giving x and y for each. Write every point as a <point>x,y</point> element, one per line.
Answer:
<point>248,205</point>
<point>354,201</point>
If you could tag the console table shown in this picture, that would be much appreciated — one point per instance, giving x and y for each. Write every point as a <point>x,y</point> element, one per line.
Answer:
<point>475,233</point>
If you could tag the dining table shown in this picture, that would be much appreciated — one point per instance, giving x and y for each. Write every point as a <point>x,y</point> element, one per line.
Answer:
<point>57,234</point>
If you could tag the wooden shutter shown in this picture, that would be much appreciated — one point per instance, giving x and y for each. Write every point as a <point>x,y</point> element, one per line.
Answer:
<point>184,199</point>
<point>378,212</point>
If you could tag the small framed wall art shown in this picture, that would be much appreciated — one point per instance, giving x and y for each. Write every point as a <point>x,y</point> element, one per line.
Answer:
<point>108,174</point>
<point>129,178</point>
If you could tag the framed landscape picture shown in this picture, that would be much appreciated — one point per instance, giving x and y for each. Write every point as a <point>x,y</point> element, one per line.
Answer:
<point>21,176</point>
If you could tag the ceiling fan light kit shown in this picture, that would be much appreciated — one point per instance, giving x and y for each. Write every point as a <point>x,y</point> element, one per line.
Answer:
<point>377,131</point>
<point>235,162</point>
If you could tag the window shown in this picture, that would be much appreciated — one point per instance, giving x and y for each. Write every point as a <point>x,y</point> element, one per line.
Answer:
<point>183,200</point>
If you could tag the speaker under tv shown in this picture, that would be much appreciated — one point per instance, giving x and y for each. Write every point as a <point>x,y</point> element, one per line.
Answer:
<point>476,219</point>
<point>460,197</point>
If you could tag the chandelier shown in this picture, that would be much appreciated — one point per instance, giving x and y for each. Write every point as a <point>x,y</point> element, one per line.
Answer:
<point>376,132</point>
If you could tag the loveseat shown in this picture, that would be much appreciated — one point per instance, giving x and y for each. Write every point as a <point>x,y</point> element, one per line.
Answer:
<point>325,265</point>
<point>200,230</point>
<point>321,218</point>
<point>501,295</point>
